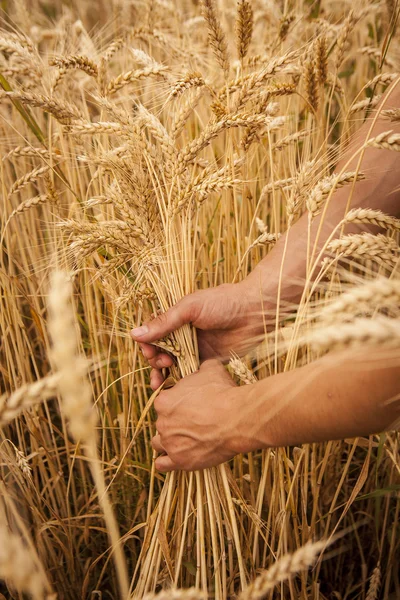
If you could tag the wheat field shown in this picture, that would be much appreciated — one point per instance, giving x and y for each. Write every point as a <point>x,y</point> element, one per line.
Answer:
<point>150,149</point>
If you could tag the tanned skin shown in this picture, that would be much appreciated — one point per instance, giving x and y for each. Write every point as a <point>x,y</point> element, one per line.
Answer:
<point>206,419</point>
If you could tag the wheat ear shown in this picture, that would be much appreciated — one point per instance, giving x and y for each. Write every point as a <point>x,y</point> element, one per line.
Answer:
<point>26,396</point>
<point>243,27</point>
<point>372,217</point>
<point>283,569</point>
<point>381,292</point>
<point>216,36</point>
<point>389,140</point>
<point>366,245</point>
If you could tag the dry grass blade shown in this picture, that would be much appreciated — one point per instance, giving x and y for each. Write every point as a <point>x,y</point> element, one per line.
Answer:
<point>189,594</point>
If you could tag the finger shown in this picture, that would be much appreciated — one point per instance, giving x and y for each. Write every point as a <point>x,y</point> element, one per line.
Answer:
<point>165,464</point>
<point>211,363</point>
<point>183,312</point>
<point>149,351</point>
<point>157,445</point>
<point>156,379</point>
<point>161,361</point>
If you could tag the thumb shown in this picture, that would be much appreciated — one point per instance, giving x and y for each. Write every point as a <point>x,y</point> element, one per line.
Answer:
<point>183,312</point>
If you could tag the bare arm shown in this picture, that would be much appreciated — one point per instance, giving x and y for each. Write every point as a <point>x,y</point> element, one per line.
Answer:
<point>205,419</point>
<point>237,325</point>
<point>380,190</point>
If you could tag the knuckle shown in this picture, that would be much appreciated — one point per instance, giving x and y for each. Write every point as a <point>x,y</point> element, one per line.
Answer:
<point>160,425</point>
<point>159,402</point>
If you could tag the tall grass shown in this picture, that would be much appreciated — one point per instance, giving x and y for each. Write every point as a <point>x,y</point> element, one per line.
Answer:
<point>150,150</point>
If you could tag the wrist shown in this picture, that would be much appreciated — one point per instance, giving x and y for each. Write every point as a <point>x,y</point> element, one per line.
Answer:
<point>249,426</point>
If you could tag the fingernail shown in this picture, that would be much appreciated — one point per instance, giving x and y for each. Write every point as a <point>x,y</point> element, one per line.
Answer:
<point>139,331</point>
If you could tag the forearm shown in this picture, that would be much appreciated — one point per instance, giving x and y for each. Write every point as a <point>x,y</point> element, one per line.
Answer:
<point>379,190</point>
<point>348,394</point>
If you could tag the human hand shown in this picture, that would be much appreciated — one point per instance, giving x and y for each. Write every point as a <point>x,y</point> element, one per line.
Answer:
<point>227,318</point>
<point>199,420</point>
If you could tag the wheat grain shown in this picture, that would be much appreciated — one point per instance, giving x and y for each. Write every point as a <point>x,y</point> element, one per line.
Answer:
<point>381,292</point>
<point>389,140</point>
<point>30,177</point>
<point>132,76</point>
<point>27,204</point>
<point>73,385</point>
<point>113,48</point>
<point>373,217</point>
<point>321,59</point>
<point>216,35</point>
<point>393,114</point>
<point>324,187</point>
<point>18,567</point>
<point>282,570</point>
<point>381,331</point>
<point>366,104</point>
<point>83,63</point>
<point>382,79</point>
<point>241,371</point>
<point>190,80</point>
<point>366,245</point>
<point>342,38</point>
<point>61,110</point>
<point>23,151</point>
<point>181,117</point>
<point>311,84</point>
<point>243,27</point>
<point>374,584</point>
<point>87,128</point>
<point>290,139</point>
